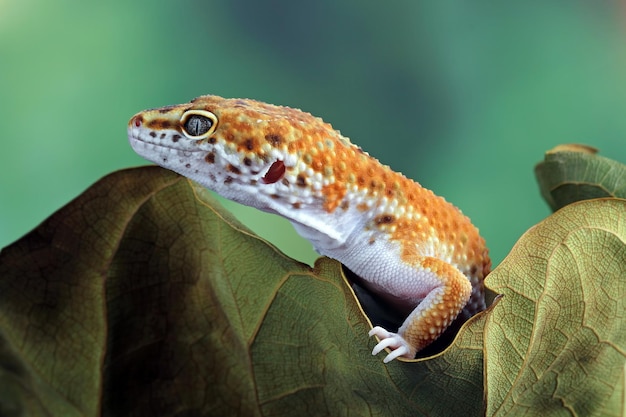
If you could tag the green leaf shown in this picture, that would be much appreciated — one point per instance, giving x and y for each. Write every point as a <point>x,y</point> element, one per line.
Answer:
<point>144,297</point>
<point>572,173</point>
<point>556,341</point>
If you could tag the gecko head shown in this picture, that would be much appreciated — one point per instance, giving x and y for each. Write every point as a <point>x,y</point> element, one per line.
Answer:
<point>270,157</point>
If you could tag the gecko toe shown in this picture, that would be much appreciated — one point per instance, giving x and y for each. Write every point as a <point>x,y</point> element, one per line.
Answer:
<point>401,351</point>
<point>380,332</point>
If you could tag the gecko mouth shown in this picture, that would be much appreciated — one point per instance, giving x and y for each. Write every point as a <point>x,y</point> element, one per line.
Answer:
<point>135,138</point>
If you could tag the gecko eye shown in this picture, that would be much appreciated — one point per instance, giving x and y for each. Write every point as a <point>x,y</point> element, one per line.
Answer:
<point>197,124</point>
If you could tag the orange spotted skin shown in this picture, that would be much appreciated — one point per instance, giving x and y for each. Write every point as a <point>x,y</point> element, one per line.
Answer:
<point>407,244</point>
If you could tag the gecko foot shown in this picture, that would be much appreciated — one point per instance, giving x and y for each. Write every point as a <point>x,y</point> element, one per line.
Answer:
<point>397,344</point>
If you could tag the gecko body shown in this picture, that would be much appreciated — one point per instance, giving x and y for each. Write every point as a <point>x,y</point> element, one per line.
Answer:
<point>408,245</point>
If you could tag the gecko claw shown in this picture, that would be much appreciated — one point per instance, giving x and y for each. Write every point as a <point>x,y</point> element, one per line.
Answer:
<point>397,344</point>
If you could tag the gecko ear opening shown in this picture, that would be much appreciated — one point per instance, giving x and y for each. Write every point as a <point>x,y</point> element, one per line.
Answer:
<point>275,173</point>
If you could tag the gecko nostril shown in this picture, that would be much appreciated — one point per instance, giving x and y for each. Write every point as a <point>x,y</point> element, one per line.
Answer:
<point>137,121</point>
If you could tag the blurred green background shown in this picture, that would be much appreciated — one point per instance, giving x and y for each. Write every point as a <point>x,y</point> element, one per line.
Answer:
<point>464,97</point>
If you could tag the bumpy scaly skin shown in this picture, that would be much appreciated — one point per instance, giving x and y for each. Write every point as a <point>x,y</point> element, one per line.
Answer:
<point>407,245</point>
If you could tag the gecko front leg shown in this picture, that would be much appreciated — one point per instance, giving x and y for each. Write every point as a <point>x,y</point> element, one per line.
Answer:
<point>431,316</point>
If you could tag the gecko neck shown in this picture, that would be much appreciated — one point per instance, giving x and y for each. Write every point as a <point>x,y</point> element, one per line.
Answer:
<point>329,233</point>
